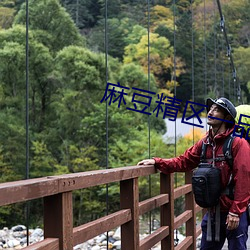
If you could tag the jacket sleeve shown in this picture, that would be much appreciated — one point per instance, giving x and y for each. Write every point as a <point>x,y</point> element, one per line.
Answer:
<point>185,162</point>
<point>241,175</point>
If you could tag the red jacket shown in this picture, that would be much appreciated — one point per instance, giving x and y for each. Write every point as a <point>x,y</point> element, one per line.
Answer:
<point>241,167</point>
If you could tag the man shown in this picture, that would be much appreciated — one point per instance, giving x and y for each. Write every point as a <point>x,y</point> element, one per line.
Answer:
<point>233,212</point>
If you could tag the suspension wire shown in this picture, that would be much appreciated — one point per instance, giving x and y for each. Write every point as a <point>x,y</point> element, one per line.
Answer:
<point>174,78</point>
<point>192,77</point>
<point>234,87</point>
<point>223,78</point>
<point>215,53</point>
<point>27,89</point>
<point>222,68</point>
<point>149,142</point>
<point>77,13</point>
<point>27,207</point>
<point>218,63</point>
<point>229,54</point>
<point>107,125</point>
<point>205,50</point>
<point>174,73</point>
<point>229,83</point>
<point>222,65</point>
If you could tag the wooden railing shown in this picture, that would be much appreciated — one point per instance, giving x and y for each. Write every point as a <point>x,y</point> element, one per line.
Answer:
<point>59,232</point>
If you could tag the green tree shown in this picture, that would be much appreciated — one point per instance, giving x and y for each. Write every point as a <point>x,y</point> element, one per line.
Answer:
<point>6,17</point>
<point>13,60</point>
<point>161,58</point>
<point>161,16</point>
<point>42,163</point>
<point>53,25</point>
<point>136,34</point>
<point>242,64</point>
<point>13,148</point>
<point>132,75</point>
<point>117,32</point>
<point>84,13</point>
<point>237,20</point>
<point>12,108</point>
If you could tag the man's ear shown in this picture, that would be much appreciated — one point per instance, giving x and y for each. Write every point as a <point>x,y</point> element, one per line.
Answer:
<point>228,118</point>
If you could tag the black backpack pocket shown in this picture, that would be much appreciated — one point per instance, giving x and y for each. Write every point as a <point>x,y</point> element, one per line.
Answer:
<point>206,183</point>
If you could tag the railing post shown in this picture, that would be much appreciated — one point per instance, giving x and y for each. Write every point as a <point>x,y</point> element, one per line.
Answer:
<point>167,210</point>
<point>129,198</point>
<point>58,219</point>
<point>190,205</point>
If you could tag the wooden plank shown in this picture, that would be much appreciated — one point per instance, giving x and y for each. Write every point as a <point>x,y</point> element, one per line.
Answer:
<point>178,192</point>
<point>24,190</point>
<point>90,230</point>
<point>154,238</point>
<point>152,203</point>
<point>167,210</point>
<point>46,244</point>
<point>98,177</point>
<point>182,218</point>
<point>129,196</point>
<point>198,231</point>
<point>58,219</point>
<point>198,209</point>
<point>190,205</point>
<point>185,244</point>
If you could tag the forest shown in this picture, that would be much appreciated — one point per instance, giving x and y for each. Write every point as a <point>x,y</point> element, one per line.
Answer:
<point>56,68</point>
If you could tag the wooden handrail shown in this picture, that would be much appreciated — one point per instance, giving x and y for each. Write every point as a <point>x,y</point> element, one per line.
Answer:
<point>24,190</point>
<point>58,208</point>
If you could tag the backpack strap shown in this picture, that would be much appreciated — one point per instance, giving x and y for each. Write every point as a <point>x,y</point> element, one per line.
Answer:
<point>217,207</point>
<point>203,152</point>
<point>227,150</point>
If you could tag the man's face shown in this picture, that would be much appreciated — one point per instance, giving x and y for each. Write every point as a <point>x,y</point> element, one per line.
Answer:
<point>215,111</point>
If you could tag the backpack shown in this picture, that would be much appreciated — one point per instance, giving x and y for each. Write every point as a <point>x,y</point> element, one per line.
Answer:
<point>206,179</point>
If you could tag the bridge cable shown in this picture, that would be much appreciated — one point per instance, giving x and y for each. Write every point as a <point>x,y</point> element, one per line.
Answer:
<point>215,54</point>
<point>205,49</point>
<point>222,68</point>
<point>174,71</point>
<point>175,92</point>
<point>192,77</point>
<point>229,83</point>
<point>149,124</point>
<point>229,54</point>
<point>107,125</point>
<point>27,204</point>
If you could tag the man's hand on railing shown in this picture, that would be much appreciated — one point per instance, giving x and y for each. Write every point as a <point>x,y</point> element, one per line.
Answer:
<point>146,162</point>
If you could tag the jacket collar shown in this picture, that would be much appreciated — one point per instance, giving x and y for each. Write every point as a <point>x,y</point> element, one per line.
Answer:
<point>218,137</point>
